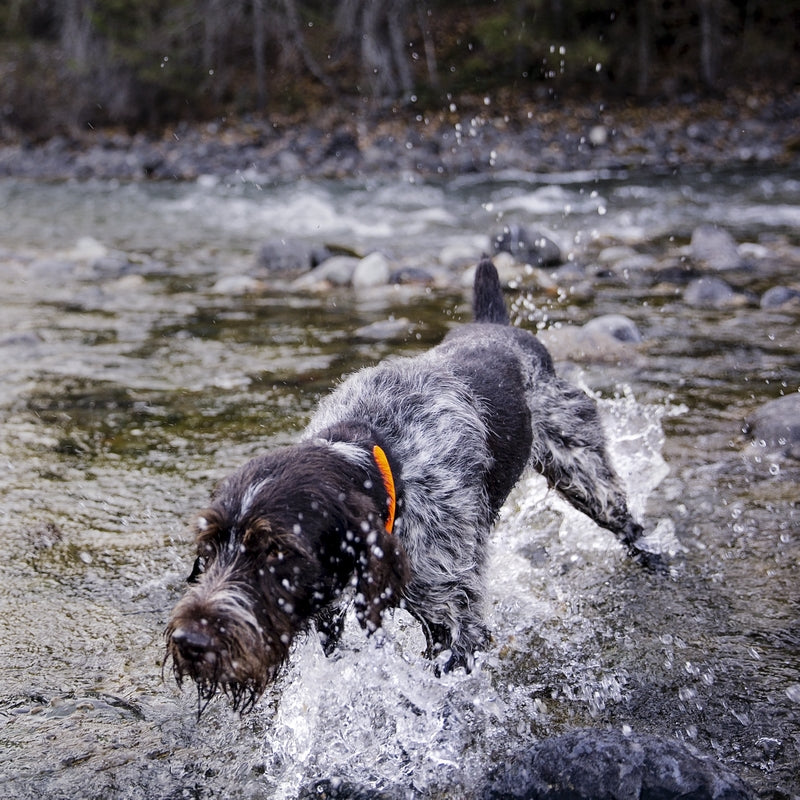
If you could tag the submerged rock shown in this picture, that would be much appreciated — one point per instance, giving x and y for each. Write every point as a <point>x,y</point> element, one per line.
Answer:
<point>777,424</point>
<point>386,329</point>
<point>608,764</point>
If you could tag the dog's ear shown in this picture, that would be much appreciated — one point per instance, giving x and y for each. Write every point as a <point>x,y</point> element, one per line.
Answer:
<point>381,575</point>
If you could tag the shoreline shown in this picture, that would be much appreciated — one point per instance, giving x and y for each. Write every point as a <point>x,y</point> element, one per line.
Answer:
<point>738,130</point>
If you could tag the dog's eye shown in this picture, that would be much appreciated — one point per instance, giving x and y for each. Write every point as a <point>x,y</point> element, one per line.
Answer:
<point>197,570</point>
<point>275,553</point>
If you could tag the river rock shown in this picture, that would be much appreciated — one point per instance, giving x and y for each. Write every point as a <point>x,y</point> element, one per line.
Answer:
<point>608,764</point>
<point>780,297</point>
<point>372,270</point>
<point>281,256</point>
<point>711,292</point>
<point>237,285</point>
<point>716,248</point>
<point>410,275</point>
<point>777,423</point>
<point>611,338</point>
<point>527,246</point>
<point>336,271</point>
<point>617,326</point>
<point>385,329</point>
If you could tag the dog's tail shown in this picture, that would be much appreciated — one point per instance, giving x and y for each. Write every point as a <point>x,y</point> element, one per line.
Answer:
<point>488,304</point>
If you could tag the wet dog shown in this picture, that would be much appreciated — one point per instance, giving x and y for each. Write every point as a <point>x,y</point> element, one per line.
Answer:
<point>387,499</point>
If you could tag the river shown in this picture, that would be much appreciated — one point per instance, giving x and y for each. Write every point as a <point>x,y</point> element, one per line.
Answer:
<point>131,382</point>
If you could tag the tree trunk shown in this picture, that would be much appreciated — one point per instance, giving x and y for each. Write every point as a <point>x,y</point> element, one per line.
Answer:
<point>709,41</point>
<point>423,17</point>
<point>259,54</point>
<point>643,44</point>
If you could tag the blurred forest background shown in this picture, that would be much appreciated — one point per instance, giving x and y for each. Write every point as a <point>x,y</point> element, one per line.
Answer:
<point>69,64</point>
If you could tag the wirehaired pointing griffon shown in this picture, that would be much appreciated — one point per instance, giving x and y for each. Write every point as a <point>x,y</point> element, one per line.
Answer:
<point>388,499</point>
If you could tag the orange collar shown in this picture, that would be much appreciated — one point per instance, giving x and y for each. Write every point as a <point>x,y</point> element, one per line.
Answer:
<point>382,463</point>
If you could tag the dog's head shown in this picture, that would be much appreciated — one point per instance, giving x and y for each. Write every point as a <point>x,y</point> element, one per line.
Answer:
<point>282,538</point>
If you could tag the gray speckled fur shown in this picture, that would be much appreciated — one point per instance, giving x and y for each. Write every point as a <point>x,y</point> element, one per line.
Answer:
<point>437,413</point>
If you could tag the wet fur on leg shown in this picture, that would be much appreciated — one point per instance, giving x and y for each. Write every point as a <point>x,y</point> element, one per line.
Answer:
<point>289,536</point>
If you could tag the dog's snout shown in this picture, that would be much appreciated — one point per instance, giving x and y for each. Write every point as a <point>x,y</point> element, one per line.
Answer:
<point>192,644</point>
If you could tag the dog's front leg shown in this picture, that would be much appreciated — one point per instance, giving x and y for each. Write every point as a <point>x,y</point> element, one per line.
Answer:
<point>330,624</point>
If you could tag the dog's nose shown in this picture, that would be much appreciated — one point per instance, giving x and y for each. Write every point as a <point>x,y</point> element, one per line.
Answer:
<point>191,643</point>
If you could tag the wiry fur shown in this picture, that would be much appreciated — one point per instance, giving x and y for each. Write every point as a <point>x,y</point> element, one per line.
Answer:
<point>290,532</point>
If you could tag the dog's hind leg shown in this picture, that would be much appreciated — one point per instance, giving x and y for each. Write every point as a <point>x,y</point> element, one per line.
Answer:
<point>569,449</point>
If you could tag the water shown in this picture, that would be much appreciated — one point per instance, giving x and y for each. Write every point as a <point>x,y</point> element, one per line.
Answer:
<point>129,386</point>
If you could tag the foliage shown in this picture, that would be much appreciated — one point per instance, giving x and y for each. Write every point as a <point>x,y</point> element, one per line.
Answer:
<point>68,63</point>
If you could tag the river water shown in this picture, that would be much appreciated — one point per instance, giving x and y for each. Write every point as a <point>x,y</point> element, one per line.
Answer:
<point>129,386</point>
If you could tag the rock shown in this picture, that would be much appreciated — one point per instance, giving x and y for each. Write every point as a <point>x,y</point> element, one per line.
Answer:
<point>638,262</point>
<point>712,293</point>
<point>608,764</point>
<point>530,248</point>
<point>777,423</point>
<point>385,329</point>
<point>237,285</point>
<point>284,256</point>
<point>614,253</point>
<point>606,339</point>
<point>337,271</point>
<point>412,275</point>
<point>372,270</point>
<point>617,326</point>
<point>780,297</point>
<point>338,789</point>
<point>716,248</point>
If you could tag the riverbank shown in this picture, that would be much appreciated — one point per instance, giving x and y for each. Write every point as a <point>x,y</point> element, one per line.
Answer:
<point>687,133</point>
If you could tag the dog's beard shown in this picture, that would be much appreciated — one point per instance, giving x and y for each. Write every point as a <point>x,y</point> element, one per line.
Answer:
<point>239,657</point>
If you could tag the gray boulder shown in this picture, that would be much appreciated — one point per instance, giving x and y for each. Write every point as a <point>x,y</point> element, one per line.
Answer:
<point>284,256</point>
<point>610,765</point>
<point>777,423</point>
<point>716,248</point>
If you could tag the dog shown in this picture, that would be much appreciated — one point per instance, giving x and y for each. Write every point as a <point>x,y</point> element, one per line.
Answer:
<point>388,499</point>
